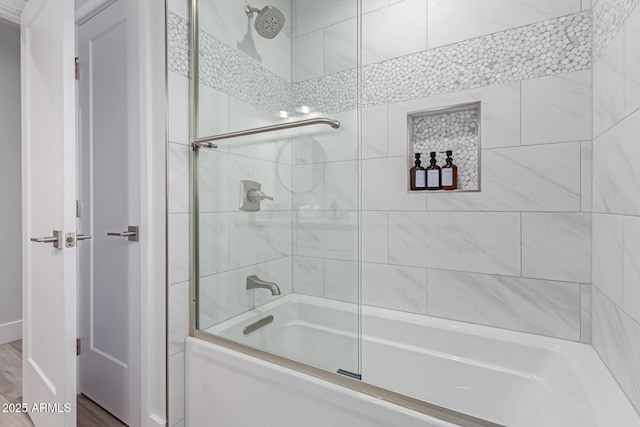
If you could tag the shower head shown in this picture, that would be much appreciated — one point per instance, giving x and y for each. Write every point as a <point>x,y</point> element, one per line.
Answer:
<point>269,21</point>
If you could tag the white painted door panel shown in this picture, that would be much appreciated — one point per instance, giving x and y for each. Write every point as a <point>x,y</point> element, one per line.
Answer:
<point>49,177</point>
<point>110,265</point>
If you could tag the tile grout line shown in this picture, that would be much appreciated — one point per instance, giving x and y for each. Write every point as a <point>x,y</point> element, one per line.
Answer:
<point>623,258</point>
<point>555,281</point>
<point>426,282</point>
<point>388,222</point>
<point>580,337</point>
<point>521,244</point>
<point>580,171</point>
<point>243,267</point>
<point>386,107</point>
<point>624,66</point>
<point>508,147</point>
<point>618,308</point>
<point>521,92</point>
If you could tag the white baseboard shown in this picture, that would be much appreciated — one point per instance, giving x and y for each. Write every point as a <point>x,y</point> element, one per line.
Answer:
<point>10,332</point>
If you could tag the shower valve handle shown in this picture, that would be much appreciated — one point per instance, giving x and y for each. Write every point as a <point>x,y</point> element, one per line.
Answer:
<point>257,195</point>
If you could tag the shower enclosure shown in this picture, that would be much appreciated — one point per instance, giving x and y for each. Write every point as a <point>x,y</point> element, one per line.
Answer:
<point>323,292</point>
<point>276,182</point>
<point>276,185</point>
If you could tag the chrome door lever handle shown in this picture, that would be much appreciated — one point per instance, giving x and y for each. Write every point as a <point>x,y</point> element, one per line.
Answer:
<point>57,239</point>
<point>132,233</point>
<point>80,237</point>
<point>44,239</point>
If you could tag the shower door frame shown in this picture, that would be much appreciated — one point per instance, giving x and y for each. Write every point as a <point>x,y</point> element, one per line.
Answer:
<point>421,406</point>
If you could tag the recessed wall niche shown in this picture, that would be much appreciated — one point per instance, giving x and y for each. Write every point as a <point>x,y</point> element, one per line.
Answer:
<point>455,128</point>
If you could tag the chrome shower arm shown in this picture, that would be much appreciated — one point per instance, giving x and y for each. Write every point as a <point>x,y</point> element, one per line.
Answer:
<point>249,10</point>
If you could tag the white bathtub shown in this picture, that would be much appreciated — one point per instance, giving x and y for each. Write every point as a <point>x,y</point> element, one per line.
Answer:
<point>317,331</point>
<point>509,378</point>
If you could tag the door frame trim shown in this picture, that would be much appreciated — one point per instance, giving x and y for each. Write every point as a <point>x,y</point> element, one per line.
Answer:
<point>11,10</point>
<point>153,180</point>
<point>149,384</point>
<point>90,9</point>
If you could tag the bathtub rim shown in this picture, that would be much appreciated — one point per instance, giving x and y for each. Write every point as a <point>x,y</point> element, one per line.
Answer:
<point>413,404</point>
<point>579,358</point>
<point>430,409</point>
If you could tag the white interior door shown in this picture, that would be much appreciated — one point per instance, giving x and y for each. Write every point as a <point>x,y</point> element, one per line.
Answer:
<point>49,182</point>
<point>109,192</point>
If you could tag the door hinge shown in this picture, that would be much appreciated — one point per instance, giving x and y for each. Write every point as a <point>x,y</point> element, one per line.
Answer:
<point>77,68</point>
<point>78,209</point>
<point>78,347</point>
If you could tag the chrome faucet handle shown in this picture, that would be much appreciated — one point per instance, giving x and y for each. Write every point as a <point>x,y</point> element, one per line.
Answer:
<point>257,195</point>
<point>251,196</point>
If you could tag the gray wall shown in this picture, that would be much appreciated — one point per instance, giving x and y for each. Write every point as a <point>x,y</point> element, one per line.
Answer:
<point>10,181</point>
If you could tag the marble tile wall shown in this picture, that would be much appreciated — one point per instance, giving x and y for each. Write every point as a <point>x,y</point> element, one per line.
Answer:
<point>526,238</point>
<point>616,217</point>
<point>535,166</point>
<point>522,246</point>
<point>457,20</point>
<point>325,205</point>
<point>536,306</point>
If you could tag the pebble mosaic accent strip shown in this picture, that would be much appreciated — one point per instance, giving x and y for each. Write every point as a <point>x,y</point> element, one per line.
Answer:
<point>332,93</point>
<point>231,72</point>
<point>450,130</point>
<point>226,69</point>
<point>550,47</point>
<point>178,40</point>
<point>608,17</point>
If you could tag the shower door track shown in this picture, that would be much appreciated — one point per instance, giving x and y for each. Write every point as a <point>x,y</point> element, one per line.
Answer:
<point>207,142</point>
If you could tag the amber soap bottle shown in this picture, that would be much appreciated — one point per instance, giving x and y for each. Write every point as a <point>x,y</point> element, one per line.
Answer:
<point>418,175</point>
<point>449,174</point>
<point>434,181</point>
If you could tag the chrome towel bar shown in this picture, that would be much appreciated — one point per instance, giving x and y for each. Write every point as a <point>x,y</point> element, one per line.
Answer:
<point>207,142</point>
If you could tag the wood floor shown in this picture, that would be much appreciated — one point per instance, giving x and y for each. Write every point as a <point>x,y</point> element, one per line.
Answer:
<point>89,414</point>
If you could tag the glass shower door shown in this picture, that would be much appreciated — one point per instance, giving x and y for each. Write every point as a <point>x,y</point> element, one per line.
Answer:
<point>277,210</point>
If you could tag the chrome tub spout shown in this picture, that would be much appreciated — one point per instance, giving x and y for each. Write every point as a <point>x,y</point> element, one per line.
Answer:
<point>254,282</point>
